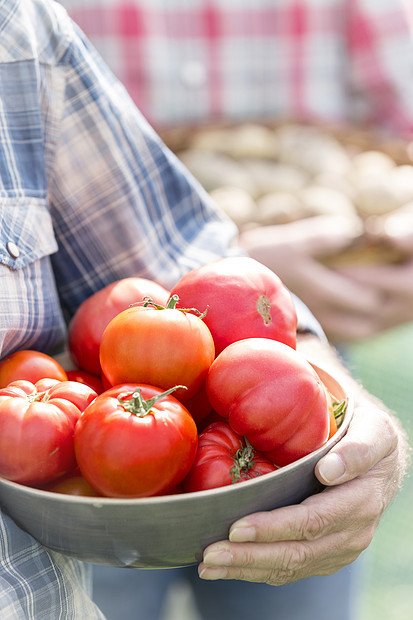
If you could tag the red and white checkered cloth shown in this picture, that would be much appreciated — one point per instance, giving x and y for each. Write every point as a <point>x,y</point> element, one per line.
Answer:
<point>199,60</point>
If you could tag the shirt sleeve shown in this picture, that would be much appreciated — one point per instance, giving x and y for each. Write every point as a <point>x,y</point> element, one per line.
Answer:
<point>122,203</point>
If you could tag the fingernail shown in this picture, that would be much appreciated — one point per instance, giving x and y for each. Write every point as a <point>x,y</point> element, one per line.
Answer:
<point>331,468</point>
<point>211,574</point>
<point>242,533</point>
<point>218,558</point>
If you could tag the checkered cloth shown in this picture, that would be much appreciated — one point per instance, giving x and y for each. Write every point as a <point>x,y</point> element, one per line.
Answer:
<point>197,60</point>
<point>39,584</point>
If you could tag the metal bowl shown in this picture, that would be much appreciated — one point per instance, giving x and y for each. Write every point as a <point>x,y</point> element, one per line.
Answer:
<point>160,532</point>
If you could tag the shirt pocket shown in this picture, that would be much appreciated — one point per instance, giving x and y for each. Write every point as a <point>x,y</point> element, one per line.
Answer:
<point>26,231</point>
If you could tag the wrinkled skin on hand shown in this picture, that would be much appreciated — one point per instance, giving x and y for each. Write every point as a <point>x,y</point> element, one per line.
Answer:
<point>329,530</point>
<point>352,302</point>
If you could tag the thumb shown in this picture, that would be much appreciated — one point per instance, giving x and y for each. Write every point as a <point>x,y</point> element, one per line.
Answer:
<point>371,436</point>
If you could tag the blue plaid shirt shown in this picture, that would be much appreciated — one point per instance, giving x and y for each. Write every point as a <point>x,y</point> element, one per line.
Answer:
<point>88,195</point>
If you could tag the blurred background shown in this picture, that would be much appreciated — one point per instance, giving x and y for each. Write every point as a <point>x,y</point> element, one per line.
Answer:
<point>296,117</point>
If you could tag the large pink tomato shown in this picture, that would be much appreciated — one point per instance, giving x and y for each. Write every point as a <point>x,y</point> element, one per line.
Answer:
<point>270,394</point>
<point>244,298</point>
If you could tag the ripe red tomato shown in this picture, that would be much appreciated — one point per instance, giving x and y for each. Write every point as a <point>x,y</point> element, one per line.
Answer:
<point>72,484</point>
<point>135,441</point>
<point>157,346</point>
<point>244,298</point>
<point>93,315</point>
<point>213,416</point>
<point>29,365</point>
<point>42,385</point>
<point>271,395</point>
<point>77,393</point>
<point>82,376</point>
<point>36,433</point>
<point>224,458</point>
<point>199,407</point>
<point>105,383</point>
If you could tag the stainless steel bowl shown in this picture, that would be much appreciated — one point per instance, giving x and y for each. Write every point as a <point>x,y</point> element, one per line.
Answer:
<point>160,532</point>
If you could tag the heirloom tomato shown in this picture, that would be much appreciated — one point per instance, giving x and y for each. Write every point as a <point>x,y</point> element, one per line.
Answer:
<point>72,483</point>
<point>245,299</point>
<point>157,345</point>
<point>82,376</point>
<point>135,441</point>
<point>271,395</point>
<point>77,393</point>
<point>36,431</point>
<point>223,457</point>
<point>88,323</point>
<point>31,366</point>
<point>42,385</point>
<point>199,407</point>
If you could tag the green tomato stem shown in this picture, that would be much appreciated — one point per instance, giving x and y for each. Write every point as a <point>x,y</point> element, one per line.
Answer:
<point>171,305</point>
<point>243,461</point>
<point>137,405</point>
<point>339,409</point>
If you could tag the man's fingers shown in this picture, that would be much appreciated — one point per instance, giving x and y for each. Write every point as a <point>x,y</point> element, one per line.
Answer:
<point>320,515</point>
<point>326,531</point>
<point>279,562</point>
<point>289,523</point>
<point>371,437</point>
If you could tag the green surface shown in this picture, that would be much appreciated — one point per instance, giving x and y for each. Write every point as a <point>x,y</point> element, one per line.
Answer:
<point>385,366</point>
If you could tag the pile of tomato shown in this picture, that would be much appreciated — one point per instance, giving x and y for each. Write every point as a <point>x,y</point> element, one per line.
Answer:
<point>175,391</point>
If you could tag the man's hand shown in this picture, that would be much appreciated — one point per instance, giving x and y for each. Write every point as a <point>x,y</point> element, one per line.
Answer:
<point>327,531</point>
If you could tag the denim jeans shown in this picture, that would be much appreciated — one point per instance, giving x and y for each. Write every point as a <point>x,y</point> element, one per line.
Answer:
<point>131,594</point>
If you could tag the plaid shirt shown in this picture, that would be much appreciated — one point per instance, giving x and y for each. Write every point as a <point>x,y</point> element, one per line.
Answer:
<point>88,195</point>
<point>197,60</point>
<point>39,584</point>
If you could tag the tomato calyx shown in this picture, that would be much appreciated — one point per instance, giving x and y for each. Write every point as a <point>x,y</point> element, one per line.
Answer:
<point>36,397</point>
<point>339,409</point>
<point>171,305</point>
<point>243,461</point>
<point>134,403</point>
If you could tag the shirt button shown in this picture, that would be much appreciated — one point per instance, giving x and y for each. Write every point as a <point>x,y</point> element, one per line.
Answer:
<point>12,249</point>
